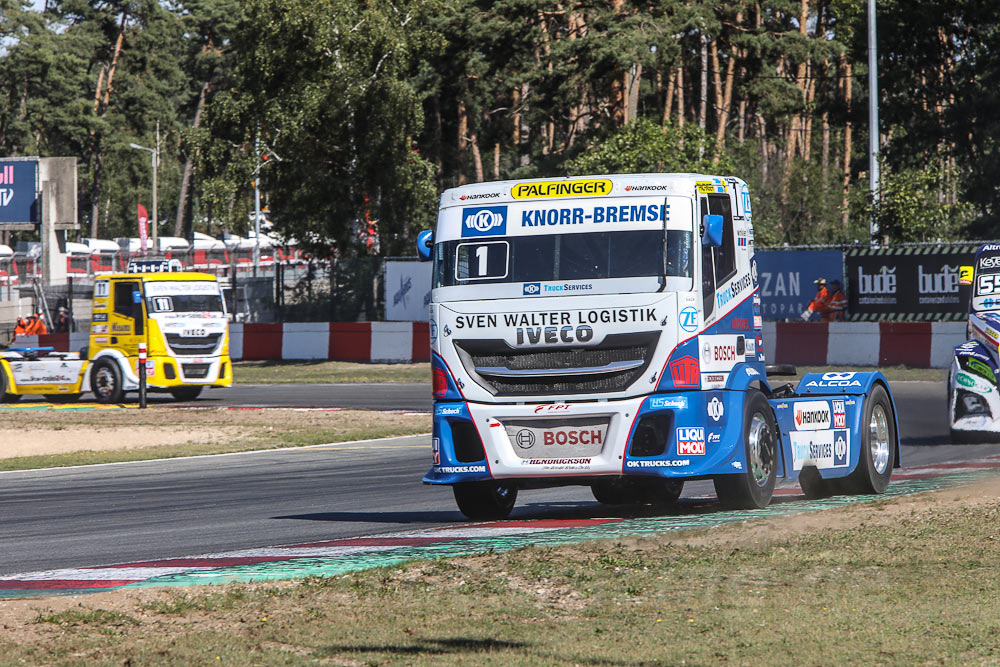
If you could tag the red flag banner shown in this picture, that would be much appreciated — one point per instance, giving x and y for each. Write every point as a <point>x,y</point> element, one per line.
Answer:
<point>143,223</point>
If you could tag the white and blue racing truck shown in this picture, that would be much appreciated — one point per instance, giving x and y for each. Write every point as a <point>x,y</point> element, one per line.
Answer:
<point>606,331</point>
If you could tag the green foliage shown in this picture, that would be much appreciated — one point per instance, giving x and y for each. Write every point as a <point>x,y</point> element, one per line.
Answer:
<point>913,206</point>
<point>644,146</point>
<point>367,110</point>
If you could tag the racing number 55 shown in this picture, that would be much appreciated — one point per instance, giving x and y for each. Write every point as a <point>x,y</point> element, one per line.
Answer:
<point>988,284</point>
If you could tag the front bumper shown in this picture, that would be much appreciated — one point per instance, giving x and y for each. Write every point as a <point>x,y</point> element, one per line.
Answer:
<point>677,435</point>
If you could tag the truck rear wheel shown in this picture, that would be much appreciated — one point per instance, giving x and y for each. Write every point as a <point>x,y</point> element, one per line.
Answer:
<point>878,446</point>
<point>753,488</point>
<point>106,381</point>
<point>486,500</point>
<point>185,393</point>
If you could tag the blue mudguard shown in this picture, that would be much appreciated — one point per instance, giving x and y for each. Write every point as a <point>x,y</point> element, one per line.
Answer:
<point>822,424</point>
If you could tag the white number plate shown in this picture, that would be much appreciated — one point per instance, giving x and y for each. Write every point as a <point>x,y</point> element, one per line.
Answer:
<point>194,333</point>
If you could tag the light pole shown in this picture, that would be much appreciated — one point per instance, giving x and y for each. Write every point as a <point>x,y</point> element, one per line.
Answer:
<point>873,138</point>
<point>155,155</point>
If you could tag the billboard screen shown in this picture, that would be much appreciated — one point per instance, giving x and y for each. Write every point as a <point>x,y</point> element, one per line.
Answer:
<point>918,283</point>
<point>786,279</point>
<point>18,191</point>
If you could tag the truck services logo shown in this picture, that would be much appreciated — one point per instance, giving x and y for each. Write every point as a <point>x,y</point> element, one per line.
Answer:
<point>484,221</point>
<point>586,188</point>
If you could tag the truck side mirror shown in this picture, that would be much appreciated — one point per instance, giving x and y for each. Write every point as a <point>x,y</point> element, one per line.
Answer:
<point>711,230</point>
<point>965,275</point>
<point>425,241</point>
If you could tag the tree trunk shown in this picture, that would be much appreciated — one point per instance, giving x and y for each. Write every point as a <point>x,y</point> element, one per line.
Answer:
<point>524,136</point>
<point>680,96</point>
<point>703,107</point>
<point>462,140</point>
<point>632,80</point>
<point>182,198</point>
<point>477,158</point>
<point>668,99</point>
<point>846,170</point>
<point>723,95</point>
<point>496,161</point>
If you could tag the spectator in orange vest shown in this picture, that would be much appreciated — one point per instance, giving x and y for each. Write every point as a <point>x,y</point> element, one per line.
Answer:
<point>36,325</point>
<point>820,303</point>
<point>837,303</point>
<point>21,328</point>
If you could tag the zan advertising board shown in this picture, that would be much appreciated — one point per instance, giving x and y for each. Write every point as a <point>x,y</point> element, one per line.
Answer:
<point>916,283</point>
<point>786,279</point>
<point>18,191</point>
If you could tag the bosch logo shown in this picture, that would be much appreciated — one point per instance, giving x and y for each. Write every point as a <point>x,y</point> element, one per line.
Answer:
<point>525,439</point>
<point>716,409</point>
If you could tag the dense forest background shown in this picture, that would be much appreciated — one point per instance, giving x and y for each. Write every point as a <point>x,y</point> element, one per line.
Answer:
<point>355,114</point>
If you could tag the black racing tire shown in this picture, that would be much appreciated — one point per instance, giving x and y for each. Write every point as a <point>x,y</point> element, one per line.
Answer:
<point>106,381</point>
<point>4,396</point>
<point>658,491</point>
<point>186,393</point>
<point>62,398</point>
<point>754,487</point>
<point>493,499</point>
<point>878,446</point>
<point>813,485</point>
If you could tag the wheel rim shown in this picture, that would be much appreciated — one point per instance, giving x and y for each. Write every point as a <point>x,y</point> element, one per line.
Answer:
<point>878,439</point>
<point>761,449</point>
<point>105,381</point>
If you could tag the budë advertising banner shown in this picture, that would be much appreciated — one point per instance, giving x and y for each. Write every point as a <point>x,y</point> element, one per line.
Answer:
<point>407,291</point>
<point>786,279</point>
<point>908,284</point>
<point>18,191</point>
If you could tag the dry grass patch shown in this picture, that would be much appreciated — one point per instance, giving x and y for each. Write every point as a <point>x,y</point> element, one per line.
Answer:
<point>899,581</point>
<point>43,438</point>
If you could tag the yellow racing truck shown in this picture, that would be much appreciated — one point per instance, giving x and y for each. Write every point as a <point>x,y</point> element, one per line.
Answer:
<point>181,318</point>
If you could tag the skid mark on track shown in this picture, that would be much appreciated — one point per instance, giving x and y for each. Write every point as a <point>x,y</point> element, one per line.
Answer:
<point>338,556</point>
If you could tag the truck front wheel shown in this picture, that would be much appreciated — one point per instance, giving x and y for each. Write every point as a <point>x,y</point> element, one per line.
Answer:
<point>185,393</point>
<point>753,488</point>
<point>486,500</point>
<point>106,381</point>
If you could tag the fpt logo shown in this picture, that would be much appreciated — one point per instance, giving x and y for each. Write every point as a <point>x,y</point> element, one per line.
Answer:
<point>484,221</point>
<point>687,319</point>
<point>531,289</point>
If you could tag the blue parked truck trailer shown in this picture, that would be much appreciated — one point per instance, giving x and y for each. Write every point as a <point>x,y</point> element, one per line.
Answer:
<point>606,331</point>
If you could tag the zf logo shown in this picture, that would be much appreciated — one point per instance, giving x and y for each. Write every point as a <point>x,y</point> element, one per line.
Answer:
<point>530,289</point>
<point>688,319</point>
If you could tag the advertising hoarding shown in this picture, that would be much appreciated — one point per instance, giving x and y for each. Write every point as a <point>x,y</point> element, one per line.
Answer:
<point>786,279</point>
<point>907,284</point>
<point>407,291</point>
<point>18,191</point>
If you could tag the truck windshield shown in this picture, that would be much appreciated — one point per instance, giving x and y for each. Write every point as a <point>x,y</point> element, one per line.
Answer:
<point>588,256</point>
<point>184,297</point>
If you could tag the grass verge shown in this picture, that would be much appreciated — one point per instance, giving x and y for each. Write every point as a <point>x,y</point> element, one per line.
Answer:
<point>320,372</point>
<point>847,586</point>
<point>57,438</point>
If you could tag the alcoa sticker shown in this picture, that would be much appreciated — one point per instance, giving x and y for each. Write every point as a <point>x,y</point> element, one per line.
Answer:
<point>835,380</point>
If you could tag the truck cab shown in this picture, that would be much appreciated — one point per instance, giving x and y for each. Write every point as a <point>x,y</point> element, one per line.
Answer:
<point>606,331</point>
<point>179,316</point>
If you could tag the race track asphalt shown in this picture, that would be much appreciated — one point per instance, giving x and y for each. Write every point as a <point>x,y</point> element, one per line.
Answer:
<point>96,515</point>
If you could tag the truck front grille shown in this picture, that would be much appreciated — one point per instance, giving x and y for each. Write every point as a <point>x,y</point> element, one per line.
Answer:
<point>612,365</point>
<point>193,346</point>
<point>195,371</point>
